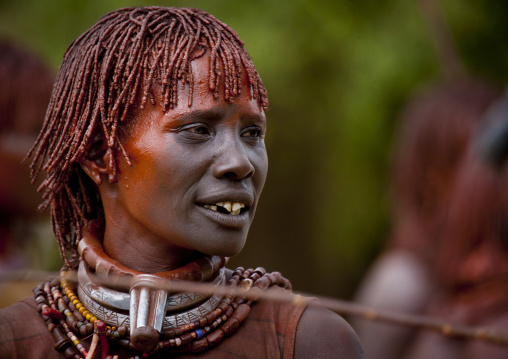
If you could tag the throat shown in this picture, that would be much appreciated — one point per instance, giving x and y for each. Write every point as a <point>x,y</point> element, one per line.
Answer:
<point>122,260</point>
<point>144,253</point>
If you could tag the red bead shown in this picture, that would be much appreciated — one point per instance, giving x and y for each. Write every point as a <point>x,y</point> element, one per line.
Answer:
<point>230,326</point>
<point>101,326</point>
<point>242,312</point>
<point>52,313</point>
<point>210,317</point>
<point>229,311</point>
<point>200,345</point>
<point>186,338</point>
<point>223,306</point>
<point>169,333</point>
<point>215,337</point>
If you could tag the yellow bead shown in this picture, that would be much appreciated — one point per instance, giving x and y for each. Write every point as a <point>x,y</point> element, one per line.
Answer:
<point>75,342</point>
<point>88,316</point>
<point>92,319</point>
<point>75,302</point>
<point>78,305</point>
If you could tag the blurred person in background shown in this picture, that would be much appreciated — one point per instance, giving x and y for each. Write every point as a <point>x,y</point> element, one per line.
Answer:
<point>471,266</point>
<point>25,88</point>
<point>434,137</point>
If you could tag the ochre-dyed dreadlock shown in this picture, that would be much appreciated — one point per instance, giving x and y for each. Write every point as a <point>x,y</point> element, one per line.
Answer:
<point>105,71</point>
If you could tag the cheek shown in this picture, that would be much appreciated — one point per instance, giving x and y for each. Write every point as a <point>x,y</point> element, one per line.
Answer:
<point>261,165</point>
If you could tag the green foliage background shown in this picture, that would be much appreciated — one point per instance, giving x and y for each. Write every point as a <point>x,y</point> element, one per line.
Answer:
<point>337,73</point>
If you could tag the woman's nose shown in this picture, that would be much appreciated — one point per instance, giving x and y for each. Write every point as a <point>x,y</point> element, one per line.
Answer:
<point>232,162</point>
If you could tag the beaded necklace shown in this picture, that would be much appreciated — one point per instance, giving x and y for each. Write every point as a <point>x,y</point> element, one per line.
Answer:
<point>63,311</point>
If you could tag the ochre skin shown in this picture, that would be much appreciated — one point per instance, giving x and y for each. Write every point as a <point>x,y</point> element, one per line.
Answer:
<point>210,152</point>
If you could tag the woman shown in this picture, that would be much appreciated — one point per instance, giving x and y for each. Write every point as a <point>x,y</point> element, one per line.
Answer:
<point>434,137</point>
<point>154,150</point>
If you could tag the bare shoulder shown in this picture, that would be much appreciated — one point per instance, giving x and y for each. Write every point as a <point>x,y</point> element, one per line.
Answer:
<point>324,334</point>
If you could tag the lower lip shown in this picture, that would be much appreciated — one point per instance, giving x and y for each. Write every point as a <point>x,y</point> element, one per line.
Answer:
<point>226,220</point>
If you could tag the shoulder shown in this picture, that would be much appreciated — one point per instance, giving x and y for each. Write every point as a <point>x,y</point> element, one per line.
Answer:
<point>322,333</point>
<point>23,333</point>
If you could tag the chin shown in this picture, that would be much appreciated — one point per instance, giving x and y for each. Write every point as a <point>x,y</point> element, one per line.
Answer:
<point>229,250</point>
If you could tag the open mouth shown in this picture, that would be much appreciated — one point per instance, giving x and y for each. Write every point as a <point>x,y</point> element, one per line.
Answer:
<point>230,208</point>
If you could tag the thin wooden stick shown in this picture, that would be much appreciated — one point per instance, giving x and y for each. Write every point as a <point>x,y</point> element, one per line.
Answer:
<point>338,306</point>
<point>93,346</point>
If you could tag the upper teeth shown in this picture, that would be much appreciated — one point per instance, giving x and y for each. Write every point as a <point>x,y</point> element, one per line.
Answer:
<point>233,208</point>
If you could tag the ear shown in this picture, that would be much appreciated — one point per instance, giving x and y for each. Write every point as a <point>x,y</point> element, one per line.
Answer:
<point>99,161</point>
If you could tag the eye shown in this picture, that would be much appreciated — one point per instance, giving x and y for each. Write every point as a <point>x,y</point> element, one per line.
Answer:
<point>198,130</point>
<point>252,132</point>
<point>195,132</point>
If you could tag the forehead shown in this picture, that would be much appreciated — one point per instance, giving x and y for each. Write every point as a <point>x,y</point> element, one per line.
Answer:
<point>197,97</point>
<point>201,94</point>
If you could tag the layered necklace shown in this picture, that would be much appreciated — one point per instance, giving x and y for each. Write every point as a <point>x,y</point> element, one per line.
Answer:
<point>148,319</point>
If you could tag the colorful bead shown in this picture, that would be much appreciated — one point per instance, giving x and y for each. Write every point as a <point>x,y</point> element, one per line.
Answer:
<point>52,313</point>
<point>199,333</point>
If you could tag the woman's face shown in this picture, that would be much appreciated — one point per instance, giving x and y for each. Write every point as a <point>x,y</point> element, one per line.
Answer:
<point>197,172</point>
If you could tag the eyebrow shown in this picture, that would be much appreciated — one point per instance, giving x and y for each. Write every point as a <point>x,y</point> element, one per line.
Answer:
<point>214,114</point>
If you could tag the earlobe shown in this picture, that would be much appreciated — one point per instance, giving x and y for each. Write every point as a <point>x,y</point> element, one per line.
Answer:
<point>92,169</point>
<point>99,161</point>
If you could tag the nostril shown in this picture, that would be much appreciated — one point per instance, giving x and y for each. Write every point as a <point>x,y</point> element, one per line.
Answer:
<point>234,175</point>
<point>230,175</point>
<point>249,175</point>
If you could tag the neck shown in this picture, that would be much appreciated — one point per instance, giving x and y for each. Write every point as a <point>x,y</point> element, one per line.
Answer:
<point>92,252</point>
<point>139,251</point>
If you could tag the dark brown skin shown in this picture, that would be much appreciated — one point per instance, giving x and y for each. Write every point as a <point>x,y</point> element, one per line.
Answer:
<point>210,152</point>
<point>324,334</point>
